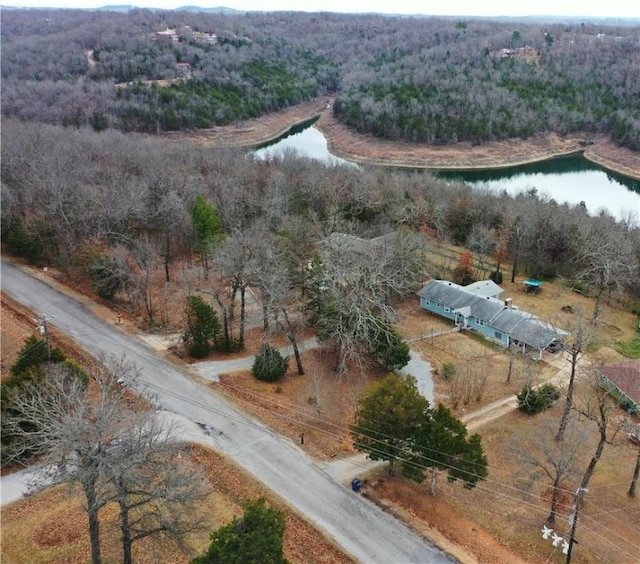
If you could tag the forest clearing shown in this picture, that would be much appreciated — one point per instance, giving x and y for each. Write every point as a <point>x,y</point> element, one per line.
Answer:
<point>321,406</point>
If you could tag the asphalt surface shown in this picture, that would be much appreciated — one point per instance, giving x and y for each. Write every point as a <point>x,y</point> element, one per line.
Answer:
<point>361,528</point>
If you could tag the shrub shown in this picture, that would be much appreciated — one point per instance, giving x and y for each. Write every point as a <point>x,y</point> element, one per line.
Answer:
<point>34,352</point>
<point>269,365</point>
<point>448,370</point>
<point>496,276</point>
<point>535,400</point>
<point>199,350</point>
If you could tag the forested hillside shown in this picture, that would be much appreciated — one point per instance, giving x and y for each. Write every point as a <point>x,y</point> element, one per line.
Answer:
<point>432,80</point>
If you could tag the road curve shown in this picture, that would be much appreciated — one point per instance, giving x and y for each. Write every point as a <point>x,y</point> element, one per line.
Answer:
<point>360,527</point>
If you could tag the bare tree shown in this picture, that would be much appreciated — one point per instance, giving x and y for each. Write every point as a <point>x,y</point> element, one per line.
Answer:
<point>633,435</point>
<point>580,338</point>
<point>282,299</point>
<point>636,471</point>
<point>353,285</point>
<point>156,488</point>
<point>482,241</point>
<point>109,441</point>
<point>605,259</point>
<point>598,406</point>
<point>555,462</point>
<point>71,429</point>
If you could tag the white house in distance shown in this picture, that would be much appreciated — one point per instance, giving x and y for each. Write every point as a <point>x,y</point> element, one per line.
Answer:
<point>478,307</point>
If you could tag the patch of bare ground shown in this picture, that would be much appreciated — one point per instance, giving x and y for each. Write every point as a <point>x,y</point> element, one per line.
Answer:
<point>320,404</point>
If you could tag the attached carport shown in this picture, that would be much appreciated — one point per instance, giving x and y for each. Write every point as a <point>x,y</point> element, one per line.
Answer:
<point>536,334</point>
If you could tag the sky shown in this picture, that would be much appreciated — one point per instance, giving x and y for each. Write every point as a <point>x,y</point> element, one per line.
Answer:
<point>587,8</point>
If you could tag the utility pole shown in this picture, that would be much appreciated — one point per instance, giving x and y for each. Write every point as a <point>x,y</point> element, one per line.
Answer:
<point>44,330</point>
<point>574,521</point>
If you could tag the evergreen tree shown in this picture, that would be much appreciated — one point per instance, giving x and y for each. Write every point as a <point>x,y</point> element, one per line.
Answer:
<point>35,352</point>
<point>203,326</point>
<point>207,228</point>
<point>269,365</point>
<point>256,538</point>
<point>389,415</point>
<point>390,350</point>
<point>441,443</point>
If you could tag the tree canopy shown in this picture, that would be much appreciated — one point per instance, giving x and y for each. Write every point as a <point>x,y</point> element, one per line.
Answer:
<point>397,424</point>
<point>428,80</point>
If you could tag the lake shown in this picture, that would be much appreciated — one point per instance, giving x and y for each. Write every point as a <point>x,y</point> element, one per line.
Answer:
<point>568,179</point>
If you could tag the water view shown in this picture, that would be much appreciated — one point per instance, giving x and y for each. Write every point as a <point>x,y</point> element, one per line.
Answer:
<point>305,140</point>
<point>570,179</point>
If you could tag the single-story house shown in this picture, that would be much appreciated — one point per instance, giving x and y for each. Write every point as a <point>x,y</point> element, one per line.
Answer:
<point>478,307</point>
<point>623,379</point>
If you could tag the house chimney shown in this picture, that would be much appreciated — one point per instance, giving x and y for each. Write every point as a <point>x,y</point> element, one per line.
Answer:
<point>507,303</point>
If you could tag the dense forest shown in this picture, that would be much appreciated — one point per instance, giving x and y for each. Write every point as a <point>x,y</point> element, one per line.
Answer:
<point>144,195</point>
<point>433,80</point>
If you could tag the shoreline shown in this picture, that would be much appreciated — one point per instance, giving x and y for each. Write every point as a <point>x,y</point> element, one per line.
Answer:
<point>366,150</point>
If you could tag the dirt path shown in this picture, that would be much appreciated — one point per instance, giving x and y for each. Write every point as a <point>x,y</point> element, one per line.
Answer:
<point>476,419</point>
<point>366,149</point>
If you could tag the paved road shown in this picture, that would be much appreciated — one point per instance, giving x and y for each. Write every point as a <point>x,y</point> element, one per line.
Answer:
<point>360,527</point>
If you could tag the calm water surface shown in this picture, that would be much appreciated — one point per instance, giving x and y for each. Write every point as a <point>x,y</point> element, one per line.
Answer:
<point>570,179</point>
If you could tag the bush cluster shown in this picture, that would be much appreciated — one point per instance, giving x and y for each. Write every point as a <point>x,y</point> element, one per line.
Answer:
<point>535,400</point>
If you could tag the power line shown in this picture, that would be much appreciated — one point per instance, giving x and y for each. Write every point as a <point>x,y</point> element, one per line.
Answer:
<point>479,486</point>
<point>482,487</point>
<point>246,421</point>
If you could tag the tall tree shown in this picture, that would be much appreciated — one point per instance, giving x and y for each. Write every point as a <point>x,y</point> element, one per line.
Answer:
<point>441,443</point>
<point>103,438</point>
<point>597,405</point>
<point>207,229</point>
<point>74,431</point>
<point>389,416</point>
<point>580,338</point>
<point>464,273</point>
<point>352,288</point>
<point>605,259</point>
<point>158,491</point>
<point>553,461</point>
<point>633,486</point>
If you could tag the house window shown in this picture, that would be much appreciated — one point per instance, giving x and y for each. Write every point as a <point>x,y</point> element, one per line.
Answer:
<point>427,302</point>
<point>480,322</point>
<point>447,309</point>
<point>497,335</point>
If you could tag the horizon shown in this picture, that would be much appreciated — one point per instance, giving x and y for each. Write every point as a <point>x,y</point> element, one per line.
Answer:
<point>615,9</point>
